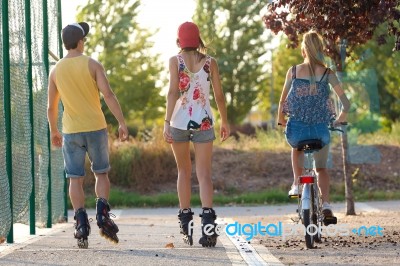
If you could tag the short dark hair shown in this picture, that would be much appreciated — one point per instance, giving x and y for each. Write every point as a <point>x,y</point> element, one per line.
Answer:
<point>73,33</point>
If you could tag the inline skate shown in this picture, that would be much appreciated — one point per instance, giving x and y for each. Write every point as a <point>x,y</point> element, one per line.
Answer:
<point>186,225</point>
<point>108,229</point>
<point>82,228</point>
<point>209,236</point>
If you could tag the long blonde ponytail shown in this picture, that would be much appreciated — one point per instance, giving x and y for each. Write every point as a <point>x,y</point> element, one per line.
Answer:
<point>313,48</point>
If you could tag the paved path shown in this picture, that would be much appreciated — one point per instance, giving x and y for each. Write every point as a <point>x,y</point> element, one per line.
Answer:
<point>144,238</point>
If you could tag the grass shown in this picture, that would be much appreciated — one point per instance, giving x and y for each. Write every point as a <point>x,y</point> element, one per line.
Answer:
<point>381,137</point>
<point>263,140</point>
<point>124,199</point>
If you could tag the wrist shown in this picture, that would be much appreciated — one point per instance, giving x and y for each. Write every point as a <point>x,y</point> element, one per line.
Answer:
<point>167,121</point>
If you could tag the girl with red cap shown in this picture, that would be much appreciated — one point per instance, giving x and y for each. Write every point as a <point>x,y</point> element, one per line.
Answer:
<point>188,119</point>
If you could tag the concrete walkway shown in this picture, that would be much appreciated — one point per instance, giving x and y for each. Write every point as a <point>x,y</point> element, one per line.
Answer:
<point>150,237</point>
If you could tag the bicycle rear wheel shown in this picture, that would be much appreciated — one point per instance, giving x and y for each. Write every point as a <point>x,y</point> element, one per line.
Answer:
<point>315,213</point>
<point>307,220</point>
<point>310,220</point>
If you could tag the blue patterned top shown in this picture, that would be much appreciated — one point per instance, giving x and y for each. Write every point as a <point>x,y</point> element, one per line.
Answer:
<point>309,107</point>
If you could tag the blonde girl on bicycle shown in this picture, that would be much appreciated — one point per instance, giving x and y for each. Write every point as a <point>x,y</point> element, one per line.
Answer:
<point>305,100</point>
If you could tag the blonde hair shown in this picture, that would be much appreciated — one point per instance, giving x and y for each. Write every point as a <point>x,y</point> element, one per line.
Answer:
<point>313,48</point>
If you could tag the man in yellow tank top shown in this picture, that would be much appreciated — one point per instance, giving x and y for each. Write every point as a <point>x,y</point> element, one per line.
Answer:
<point>77,81</point>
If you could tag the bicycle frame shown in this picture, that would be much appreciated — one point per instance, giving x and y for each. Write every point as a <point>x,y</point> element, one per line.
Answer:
<point>309,208</point>
<point>309,203</point>
<point>306,180</point>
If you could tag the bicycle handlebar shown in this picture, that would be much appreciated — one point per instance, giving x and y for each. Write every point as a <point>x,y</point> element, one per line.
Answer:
<point>333,128</point>
<point>330,127</point>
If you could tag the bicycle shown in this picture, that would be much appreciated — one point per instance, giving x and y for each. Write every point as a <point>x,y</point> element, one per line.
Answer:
<point>309,201</point>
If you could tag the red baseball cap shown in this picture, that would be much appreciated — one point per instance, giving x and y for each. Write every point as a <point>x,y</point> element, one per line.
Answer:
<point>188,35</point>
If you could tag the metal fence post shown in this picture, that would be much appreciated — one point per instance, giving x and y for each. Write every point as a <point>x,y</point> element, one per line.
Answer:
<point>7,109</point>
<point>60,49</point>
<point>28,35</point>
<point>46,64</point>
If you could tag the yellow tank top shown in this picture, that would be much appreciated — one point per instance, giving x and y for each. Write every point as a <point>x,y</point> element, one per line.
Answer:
<point>80,96</point>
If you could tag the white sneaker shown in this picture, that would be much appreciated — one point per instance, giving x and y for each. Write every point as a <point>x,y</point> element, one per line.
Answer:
<point>294,191</point>
<point>327,209</point>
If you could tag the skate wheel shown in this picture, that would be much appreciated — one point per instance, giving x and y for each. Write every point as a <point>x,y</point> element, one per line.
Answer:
<point>113,238</point>
<point>83,243</point>
<point>208,242</point>
<point>188,240</point>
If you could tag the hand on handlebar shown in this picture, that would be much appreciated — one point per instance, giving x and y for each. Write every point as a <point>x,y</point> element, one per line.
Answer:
<point>334,125</point>
<point>338,123</point>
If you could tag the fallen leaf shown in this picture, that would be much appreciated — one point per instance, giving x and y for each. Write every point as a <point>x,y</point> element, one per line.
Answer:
<point>170,245</point>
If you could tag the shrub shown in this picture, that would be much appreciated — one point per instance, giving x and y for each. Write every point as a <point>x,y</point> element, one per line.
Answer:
<point>140,164</point>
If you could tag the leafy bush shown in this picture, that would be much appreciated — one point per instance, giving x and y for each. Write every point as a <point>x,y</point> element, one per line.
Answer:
<point>141,164</point>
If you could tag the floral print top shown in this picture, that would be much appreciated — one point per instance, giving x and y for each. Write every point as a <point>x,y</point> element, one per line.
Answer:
<point>192,110</point>
<point>312,108</point>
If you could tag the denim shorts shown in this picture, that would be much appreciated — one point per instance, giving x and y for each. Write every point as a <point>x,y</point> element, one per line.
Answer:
<point>75,147</point>
<point>297,131</point>
<point>196,136</point>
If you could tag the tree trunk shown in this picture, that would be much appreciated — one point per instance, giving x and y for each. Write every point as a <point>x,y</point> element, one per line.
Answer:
<point>348,185</point>
<point>348,181</point>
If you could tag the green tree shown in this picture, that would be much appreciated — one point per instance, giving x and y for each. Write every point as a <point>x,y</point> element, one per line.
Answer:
<point>282,60</point>
<point>379,59</point>
<point>123,47</point>
<point>234,31</point>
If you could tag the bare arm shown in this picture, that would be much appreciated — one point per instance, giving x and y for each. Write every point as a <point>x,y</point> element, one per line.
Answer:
<point>109,97</point>
<point>53,99</point>
<point>172,96</point>
<point>285,91</point>
<point>345,105</point>
<point>333,80</point>
<point>220,100</point>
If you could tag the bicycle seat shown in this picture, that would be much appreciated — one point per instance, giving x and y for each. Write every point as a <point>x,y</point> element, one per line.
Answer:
<point>309,145</point>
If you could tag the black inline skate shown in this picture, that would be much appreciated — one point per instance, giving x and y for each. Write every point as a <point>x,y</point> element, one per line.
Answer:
<point>82,228</point>
<point>108,229</point>
<point>209,236</point>
<point>185,218</point>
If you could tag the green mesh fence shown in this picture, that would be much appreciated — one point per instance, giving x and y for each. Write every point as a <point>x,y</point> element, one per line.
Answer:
<point>35,167</point>
<point>57,173</point>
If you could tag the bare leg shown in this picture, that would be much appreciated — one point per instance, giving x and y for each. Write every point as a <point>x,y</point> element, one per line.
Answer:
<point>323,183</point>
<point>203,155</point>
<point>182,157</point>
<point>102,187</point>
<point>297,164</point>
<point>76,193</point>
<point>321,159</point>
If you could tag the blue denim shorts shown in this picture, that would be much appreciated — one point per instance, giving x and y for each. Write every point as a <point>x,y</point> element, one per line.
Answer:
<point>197,136</point>
<point>297,131</point>
<point>77,145</point>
